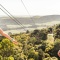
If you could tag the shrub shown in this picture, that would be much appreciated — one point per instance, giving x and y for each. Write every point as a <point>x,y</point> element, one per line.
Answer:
<point>10,58</point>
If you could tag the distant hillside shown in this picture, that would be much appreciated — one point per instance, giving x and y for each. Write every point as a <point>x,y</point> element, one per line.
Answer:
<point>47,20</point>
<point>28,20</point>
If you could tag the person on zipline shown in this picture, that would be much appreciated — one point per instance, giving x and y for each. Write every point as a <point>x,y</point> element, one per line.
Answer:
<point>7,36</point>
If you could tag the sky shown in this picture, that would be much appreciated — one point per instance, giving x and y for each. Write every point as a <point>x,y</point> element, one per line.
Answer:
<point>34,7</point>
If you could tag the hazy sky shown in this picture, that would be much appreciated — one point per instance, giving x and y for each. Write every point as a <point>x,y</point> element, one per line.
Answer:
<point>35,7</point>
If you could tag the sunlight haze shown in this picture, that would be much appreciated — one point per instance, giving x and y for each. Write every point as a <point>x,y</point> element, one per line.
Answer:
<point>34,7</point>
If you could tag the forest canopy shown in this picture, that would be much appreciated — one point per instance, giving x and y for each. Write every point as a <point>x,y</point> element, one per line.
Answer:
<point>37,45</point>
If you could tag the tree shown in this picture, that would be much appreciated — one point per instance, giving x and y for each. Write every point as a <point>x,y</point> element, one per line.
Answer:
<point>10,58</point>
<point>57,31</point>
<point>33,54</point>
<point>50,58</point>
<point>27,31</point>
<point>50,30</point>
<point>6,47</point>
<point>54,51</point>
<point>1,58</point>
<point>39,35</point>
<point>41,54</point>
<point>32,40</point>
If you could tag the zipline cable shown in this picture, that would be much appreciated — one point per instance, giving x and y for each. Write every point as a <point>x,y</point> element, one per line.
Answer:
<point>8,12</point>
<point>27,11</point>
<point>12,17</point>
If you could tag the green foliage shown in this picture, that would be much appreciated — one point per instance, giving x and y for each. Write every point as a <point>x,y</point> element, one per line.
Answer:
<point>31,59</point>
<point>49,46</point>
<point>34,46</point>
<point>1,58</point>
<point>46,55</point>
<point>6,47</point>
<point>40,34</point>
<point>53,52</point>
<point>32,40</point>
<point>50,30</point>
<point>33,54</point>
<point>27,31</point>
<point>41,54</point>
<point>43,34</point>
<point>57,31</point>
<point>50,58</point>
<point>10,58</point>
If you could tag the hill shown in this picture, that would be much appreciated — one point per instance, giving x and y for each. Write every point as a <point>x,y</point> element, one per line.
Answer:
<point>40,22</point>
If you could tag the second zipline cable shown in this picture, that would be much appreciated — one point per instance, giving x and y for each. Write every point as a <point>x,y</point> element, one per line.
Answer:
<point>12,17</point>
